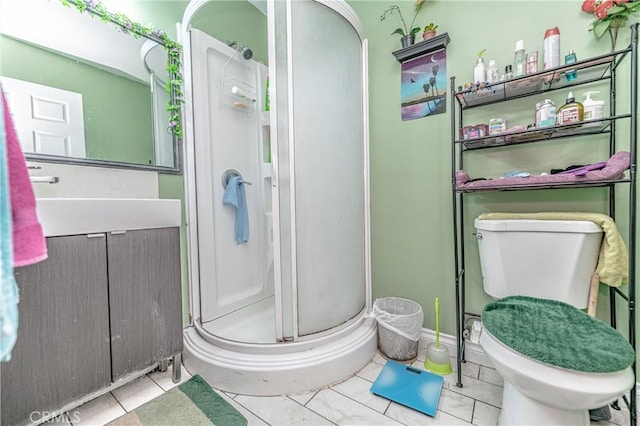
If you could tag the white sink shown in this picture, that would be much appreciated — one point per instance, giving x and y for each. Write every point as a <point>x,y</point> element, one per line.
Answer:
<point>70,216</point>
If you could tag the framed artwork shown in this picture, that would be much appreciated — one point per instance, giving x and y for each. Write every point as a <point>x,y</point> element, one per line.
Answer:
<point>423,89</point>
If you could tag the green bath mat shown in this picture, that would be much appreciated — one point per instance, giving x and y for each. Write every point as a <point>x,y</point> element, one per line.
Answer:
<point>192,403</point>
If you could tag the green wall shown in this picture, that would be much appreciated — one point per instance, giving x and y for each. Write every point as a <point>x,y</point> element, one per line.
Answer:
<point>117,110</point>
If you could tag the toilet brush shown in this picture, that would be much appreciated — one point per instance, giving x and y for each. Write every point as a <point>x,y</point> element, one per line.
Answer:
<point>437,359</point>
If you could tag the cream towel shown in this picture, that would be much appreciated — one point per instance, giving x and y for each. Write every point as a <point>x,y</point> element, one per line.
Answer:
<point>613,260</point>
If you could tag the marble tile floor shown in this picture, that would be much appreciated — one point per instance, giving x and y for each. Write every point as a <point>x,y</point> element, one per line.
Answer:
<point>346,403</point>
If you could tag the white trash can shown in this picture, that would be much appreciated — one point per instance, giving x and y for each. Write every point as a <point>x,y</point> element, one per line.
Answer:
<point>399,326</point>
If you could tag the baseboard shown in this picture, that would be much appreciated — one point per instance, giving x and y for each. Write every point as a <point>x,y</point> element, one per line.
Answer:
<point>473,351</point>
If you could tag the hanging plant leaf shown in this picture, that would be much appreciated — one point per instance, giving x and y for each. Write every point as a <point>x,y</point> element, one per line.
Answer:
<point>399,31</point>
<point>600,28</point>
<point>615,9</point>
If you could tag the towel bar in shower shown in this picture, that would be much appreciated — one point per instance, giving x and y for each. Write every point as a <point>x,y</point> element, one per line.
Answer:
<point>231,173</point>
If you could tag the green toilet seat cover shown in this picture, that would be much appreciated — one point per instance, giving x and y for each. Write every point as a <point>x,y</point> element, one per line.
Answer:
<point>557,333</point>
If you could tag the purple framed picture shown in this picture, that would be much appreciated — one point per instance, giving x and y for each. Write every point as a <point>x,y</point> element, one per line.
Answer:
<point>423,89</point>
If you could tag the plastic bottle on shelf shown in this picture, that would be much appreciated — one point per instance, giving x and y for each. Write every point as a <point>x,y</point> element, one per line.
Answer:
<point>551,48</point>
<point>571,112</point>
<point>570,58</point>
<point>546,113</point>
<point>508,74</point>
<point>493,74</point>
<point>593,109</point>
<point>551,52</point>
<point>479,72</point>
<point>519,59</point>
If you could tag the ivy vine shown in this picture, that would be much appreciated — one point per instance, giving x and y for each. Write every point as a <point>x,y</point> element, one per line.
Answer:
<point>122,23</point>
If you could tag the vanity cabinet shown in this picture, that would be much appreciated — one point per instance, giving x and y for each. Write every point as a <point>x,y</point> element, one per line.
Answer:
<point>101,307</point>
<point>144,298</point>
<point>62,350</point>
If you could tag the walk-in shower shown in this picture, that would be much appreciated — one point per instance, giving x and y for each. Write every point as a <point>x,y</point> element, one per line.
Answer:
<point>286,309</point>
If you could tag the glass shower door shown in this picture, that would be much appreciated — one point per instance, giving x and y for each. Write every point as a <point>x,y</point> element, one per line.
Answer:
<point>320,165</point>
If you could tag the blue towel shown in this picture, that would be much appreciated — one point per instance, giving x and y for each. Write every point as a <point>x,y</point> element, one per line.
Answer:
<point>8,287</point>
<point>235,196</point>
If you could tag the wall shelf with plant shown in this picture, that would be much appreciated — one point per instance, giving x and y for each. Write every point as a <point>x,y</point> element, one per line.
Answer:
<point>422,48</point>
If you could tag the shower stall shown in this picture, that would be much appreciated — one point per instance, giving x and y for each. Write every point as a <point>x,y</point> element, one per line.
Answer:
<point>287,310</point>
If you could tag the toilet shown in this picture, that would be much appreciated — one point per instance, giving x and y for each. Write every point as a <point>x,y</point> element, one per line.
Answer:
<point>557,362</point>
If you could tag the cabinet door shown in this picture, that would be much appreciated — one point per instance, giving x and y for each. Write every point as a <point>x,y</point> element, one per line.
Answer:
<point>144,298</point>
<point>62,351</point>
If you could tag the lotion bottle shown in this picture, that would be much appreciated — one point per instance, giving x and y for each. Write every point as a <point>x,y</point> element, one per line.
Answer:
<point>571,112</point>
<point>593,108</point>
<point>479,72</point>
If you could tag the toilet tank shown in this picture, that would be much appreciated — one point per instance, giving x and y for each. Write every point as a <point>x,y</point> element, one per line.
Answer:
<point>550,259</point>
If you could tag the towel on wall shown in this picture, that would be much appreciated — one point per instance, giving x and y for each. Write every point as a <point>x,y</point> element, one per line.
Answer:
<point>613,260</point>
<point>8,287</point>
<point>234,195</point>
<point>29,245</point>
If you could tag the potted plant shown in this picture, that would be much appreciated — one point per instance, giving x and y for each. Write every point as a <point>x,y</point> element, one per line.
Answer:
<point>611,15</point>
<point>429,31</point>
<point>407,33</point>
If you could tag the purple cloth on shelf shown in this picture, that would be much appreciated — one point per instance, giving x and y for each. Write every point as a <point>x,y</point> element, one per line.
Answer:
<point>614,169</point>
<point>582,171</point>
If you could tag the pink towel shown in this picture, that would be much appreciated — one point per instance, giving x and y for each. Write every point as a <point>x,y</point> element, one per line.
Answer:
<point>614,169</point>
<point>29,245</point>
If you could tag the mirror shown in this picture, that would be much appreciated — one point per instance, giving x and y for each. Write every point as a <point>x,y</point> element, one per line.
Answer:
<point>82,92</point>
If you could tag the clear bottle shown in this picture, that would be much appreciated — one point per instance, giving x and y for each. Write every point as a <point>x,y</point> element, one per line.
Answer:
<point>519,60</point>
<point>479,72</point>
<point>508,74</point>
<point>493,74</point>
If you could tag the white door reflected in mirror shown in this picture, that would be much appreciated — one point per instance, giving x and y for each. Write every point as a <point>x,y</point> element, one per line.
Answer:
<point>47,120</point>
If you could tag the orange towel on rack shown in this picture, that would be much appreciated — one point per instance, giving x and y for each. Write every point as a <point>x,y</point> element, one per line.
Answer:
<point>29,245</point>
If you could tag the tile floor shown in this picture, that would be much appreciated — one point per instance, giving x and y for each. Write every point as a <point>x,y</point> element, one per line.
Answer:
<point>345,403</point>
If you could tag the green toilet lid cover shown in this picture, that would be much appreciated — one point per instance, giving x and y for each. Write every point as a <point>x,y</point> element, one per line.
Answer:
<point>557,333</point>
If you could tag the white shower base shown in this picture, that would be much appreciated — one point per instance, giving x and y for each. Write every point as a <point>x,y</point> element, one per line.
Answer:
<point>279,368</point>
<point>251,324</point>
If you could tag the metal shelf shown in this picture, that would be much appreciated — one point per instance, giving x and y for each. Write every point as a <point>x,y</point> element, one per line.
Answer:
<point>587,127</point>
<point>600,68</point>
<point>529,187</point>
<point>587,71</point>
